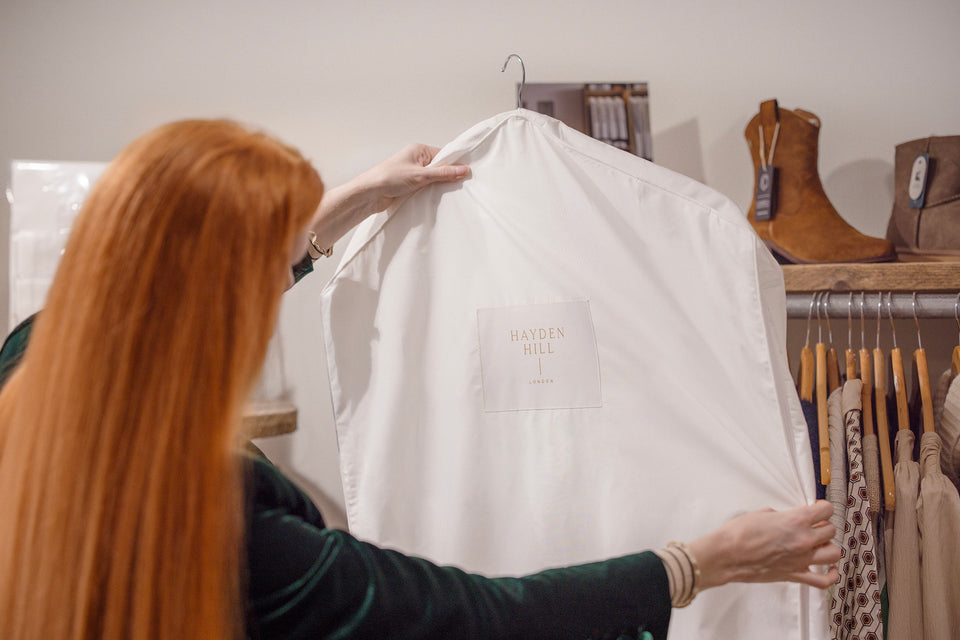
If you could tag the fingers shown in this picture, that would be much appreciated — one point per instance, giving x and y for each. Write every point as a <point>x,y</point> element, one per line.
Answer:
<point>827,554</point>
<point>414,161</point>
<point>449,173</point>
<point>816,579</point>
<point>818,511</point>
<point>417,154</point>
<point>822,533</point>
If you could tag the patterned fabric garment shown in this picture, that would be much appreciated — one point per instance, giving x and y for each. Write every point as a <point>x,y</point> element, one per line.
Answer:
<point>855,608</point>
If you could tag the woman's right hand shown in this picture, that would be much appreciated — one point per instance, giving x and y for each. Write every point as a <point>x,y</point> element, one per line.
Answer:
<point>401,175</point>
<point>771,546</point>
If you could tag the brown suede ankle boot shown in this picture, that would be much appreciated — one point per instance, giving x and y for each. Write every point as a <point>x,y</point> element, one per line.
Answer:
<point>803,227</point>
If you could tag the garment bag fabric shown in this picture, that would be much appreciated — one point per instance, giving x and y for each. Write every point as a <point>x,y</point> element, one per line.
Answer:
<point>574,354</point>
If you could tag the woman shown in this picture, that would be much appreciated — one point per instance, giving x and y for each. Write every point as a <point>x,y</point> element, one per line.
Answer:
<point>126,511</point>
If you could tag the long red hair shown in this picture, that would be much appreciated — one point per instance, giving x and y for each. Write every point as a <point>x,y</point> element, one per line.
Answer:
<point>121,508</point>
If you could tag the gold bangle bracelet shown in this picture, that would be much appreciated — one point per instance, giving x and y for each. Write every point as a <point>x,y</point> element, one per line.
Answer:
<point>694,568</point>
<point>326,253</point>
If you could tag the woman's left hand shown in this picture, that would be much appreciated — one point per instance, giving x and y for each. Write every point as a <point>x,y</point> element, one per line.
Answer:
<point>771,546</point>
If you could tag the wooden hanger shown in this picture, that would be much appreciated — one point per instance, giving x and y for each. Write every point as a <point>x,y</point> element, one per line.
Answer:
<point>899,377</point>
<point>866,403</point>
<point>823,424</point>
<point>849,355</point>
<point>921,376</point>
<point>833,367</point>
<point>883,428</point>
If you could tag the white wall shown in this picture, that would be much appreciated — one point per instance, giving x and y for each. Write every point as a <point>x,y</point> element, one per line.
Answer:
<point>350,82</point>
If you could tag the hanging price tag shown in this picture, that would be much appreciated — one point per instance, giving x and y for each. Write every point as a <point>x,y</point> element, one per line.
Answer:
<point>766,192</point>
<point>917,187</point>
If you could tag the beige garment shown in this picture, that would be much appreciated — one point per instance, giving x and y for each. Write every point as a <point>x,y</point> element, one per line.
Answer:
<point>903,574</point>
<point>946,413</point>
<point>938,513</point>
<point>837,489</point>
<point>940,395</point>
<point>871,470</point>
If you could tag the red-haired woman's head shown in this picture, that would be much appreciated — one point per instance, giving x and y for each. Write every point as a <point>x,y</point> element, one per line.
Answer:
<point>121,507</point>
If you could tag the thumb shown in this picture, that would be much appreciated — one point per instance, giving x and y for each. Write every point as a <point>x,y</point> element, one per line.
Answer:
<point>447,173</point>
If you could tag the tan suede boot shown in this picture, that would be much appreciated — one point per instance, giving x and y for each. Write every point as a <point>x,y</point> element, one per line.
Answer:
<point>804,227</point>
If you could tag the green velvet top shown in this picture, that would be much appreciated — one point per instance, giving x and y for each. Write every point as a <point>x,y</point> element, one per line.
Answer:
<point>308,581</point>
<point>305,581</point>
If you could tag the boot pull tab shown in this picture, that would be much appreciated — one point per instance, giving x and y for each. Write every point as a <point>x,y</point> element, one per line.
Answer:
<point>769,114</point>
<point>809,117</point>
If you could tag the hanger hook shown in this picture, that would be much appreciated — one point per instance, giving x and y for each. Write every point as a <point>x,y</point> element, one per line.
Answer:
<point>879,315</point>
<point>863,322</point>
<point>893,328</point>
<point>523,76</point>
<point>850,322</point>
<point>916,320</point>
<point>819,325</point>
<point>813,297</point>
<point>826,315</point>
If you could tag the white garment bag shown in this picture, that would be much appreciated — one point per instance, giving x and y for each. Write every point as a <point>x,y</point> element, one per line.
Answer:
<point>572,355</point>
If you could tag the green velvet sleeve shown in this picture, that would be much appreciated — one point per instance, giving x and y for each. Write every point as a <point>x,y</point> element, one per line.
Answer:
<point>306,581</point>
<point>14,347</point>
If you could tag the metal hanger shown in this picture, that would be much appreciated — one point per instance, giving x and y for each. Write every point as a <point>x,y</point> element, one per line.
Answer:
<point>805,383</point>
<point>833,365</point>
<point>523,76</point>
<point>823,417</point>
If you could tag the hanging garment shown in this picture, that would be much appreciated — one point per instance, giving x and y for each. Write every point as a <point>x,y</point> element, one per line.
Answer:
<point>810,416</point>
<point>856,607</point>
<point>871,470</point>
<point>903,574</point>
<point>871,445</point>
<point>571,355</point>
<point>837,491</point>
<point>940,395</point>
<point>938,512</point>
<point>855,604</point>
<point>946,418</point>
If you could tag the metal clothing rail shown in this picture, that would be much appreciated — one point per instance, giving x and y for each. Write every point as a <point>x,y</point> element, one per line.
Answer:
<point>842,304</point>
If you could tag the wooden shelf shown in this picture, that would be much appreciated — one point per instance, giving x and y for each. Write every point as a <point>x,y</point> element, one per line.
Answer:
<point>265,419</point>
<point>927,276</point>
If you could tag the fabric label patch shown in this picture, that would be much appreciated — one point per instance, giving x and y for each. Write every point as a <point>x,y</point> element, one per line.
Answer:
<point>539,356</point>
